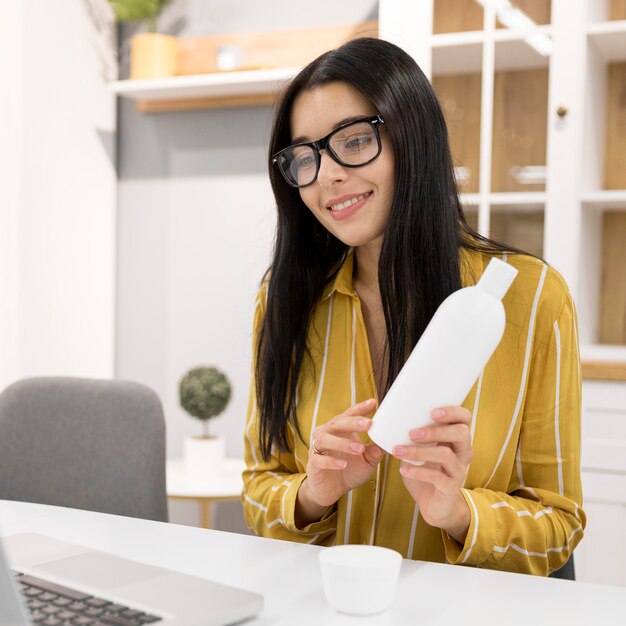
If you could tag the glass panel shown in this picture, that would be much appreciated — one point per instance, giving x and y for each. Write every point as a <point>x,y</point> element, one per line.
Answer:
<point>520,119</point>
<point>453,16</point>
<point>518,227</point>
<point>617,10</point>
<point>460,99</point>
<point>613,294</point>
<point>615,158</point>
<point>537,10</point>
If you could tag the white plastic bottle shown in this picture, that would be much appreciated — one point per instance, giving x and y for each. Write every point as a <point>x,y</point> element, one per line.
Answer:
<point>444,365</point>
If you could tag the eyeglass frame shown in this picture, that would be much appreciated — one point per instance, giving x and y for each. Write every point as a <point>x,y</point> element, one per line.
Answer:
<point>323,144</point>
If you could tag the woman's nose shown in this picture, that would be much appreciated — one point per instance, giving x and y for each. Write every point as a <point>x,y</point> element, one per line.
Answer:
<point>330,171</point>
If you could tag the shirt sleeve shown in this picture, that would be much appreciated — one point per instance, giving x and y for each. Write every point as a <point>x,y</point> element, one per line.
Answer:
<point>534,527</point>
<point>270,487</point>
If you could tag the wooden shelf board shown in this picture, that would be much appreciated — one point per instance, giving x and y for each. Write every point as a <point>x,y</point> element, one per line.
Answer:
<point>604,370</point>
<point>603,362</point>
<point>609,38</point>
<point>605,199</point>
<point>217,85</point>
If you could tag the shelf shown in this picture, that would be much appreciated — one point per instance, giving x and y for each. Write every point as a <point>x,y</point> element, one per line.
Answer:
<point>457,58</point>
<point>514,53</point>
<point>605,199</point>
<point>461,53</point>
<point>470,199</point>
<point>519,200</point>
<point>247,87</point>
<point>609,38</point>
<point>603,352</point>
<point>603,362</point>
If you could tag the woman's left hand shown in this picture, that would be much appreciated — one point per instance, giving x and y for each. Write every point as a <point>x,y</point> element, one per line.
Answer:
<point>436,485</point>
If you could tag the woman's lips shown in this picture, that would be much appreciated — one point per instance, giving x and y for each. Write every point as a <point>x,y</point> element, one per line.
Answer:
<point>348,206</point>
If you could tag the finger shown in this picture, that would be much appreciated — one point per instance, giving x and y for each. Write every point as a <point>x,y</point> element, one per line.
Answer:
<point>452,415</point>
<point>452,433</point>
<point>331,443</point>
<point>325,462</point>
<point>373,454</point>
<point>344,424</point>
<point>438,479</point>
<point>443,456</point>
<point>362,408</point>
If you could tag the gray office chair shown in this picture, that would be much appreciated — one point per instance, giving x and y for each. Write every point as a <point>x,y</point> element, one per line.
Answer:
<point>567,572</point>
<point>87,444</point>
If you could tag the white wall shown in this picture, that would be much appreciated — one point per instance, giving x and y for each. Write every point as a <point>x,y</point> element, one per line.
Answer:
<point>11,144</point>
<point>195,229</point>
<point>58,208</point>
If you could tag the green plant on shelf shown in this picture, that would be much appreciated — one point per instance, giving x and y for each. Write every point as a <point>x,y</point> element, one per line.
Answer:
<point>204,392</point>
<point>146,11</point>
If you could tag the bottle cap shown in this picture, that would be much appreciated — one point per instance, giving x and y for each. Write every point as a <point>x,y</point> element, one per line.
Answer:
<point>497,278</point>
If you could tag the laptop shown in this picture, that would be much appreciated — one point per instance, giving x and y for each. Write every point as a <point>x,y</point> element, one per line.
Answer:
<point>56,583</point>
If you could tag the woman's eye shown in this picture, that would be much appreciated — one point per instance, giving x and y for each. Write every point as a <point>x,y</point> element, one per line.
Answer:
<point>358,142</point>
<point>305,161</point>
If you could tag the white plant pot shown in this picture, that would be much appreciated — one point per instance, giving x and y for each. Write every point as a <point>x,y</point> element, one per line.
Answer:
<point>203,456</point>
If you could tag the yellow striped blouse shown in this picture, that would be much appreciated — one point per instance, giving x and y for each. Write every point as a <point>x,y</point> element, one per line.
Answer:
<point>523,487</point>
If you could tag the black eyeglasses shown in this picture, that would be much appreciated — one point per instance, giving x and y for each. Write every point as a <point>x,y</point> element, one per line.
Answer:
<point>352,144</point>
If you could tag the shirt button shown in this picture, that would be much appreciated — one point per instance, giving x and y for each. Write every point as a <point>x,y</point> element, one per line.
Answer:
<point>372,484</point>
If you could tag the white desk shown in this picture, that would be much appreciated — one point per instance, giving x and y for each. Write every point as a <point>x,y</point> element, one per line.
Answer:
<point>225,486</point>
<point>287,574</point>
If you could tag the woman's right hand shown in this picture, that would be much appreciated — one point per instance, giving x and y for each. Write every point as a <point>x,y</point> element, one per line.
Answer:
<point>342,462</point>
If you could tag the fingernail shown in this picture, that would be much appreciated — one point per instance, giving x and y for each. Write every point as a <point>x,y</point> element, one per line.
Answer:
<point>363,422</point>
<point>438,413</point>
<point>340,463</point>
<point>355,446</point>
<point>418,433</point>
<point>399,450</point>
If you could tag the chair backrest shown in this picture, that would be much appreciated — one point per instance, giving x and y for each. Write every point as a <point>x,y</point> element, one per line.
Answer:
<point>85,444</point>
<point>567,572</point>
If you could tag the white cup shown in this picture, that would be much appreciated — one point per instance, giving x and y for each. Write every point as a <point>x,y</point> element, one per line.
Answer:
<point>360,580</point>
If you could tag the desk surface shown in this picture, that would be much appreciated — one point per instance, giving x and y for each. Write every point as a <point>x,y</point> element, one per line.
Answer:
<point>287,574</point>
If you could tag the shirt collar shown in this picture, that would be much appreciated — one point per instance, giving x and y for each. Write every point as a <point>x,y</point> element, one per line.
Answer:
<point>343,279</point>
<point>471,264</point>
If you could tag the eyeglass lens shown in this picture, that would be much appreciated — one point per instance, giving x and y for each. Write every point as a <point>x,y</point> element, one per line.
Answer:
<point>352,145</point>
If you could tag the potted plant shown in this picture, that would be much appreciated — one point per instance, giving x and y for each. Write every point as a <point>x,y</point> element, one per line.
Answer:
<point>204,393</point>
<point>152,54</point>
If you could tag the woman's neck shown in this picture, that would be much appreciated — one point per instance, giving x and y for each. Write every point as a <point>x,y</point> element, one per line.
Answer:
<point>366,266</point>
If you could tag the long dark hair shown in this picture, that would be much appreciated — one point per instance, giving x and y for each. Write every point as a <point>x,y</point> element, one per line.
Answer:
<point>419,262</point>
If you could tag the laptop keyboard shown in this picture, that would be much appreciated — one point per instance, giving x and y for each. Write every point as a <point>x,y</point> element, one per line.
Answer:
<point>55,605</point>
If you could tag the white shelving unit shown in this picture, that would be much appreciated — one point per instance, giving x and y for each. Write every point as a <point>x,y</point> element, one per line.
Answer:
<point>572,205</point>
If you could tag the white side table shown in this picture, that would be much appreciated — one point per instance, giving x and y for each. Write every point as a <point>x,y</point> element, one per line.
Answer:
<point>225,486</point>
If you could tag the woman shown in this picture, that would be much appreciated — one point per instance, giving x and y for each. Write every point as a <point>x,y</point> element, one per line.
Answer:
<point>370,240</point>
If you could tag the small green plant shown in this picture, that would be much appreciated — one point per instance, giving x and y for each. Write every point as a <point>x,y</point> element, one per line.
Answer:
<point>138,11</point>
<point>204,393</point>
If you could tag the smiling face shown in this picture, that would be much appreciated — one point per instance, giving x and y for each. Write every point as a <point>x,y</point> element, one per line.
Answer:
<point>351,203</point>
